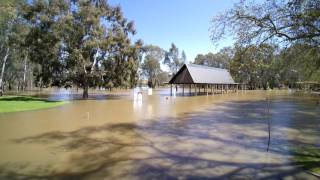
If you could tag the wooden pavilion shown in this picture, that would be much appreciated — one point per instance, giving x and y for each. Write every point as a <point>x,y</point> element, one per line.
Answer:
<point>211,80</point>
<point>307,85</point>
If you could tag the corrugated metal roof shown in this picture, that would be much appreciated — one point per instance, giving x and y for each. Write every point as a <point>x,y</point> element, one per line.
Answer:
<point>203,75</point>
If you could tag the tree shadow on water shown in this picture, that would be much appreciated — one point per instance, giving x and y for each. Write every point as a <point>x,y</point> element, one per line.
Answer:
<point>218,144</point>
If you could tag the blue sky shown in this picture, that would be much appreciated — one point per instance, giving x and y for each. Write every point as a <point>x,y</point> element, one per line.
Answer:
<point>184,22</point>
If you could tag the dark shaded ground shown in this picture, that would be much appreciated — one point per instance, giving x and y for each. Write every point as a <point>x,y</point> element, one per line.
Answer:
<point>226,142</point>
<point>23,98</point>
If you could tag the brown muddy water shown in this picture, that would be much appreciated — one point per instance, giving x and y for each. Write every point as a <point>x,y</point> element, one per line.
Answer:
<point>161,137</point>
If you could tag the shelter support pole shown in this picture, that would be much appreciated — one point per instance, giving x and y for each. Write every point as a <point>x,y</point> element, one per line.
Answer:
<point>189,89</point>
<point>207,89</point>
<point>213,86</point>
<point>211,89</point>
<point>182,89</point>
<point>170,89</point>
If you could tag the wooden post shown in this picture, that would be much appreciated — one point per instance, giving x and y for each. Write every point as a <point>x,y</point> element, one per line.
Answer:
<point>182,89</point>
<point>170,89</point>
<point>189,89</point>
<point>207,89</point>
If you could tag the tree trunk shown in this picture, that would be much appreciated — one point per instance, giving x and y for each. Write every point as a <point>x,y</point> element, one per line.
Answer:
<point>85,94</point>
<point>3,68</point>
<point>24,73</point>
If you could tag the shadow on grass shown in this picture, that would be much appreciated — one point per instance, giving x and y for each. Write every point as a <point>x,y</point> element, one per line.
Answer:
<point>195,146</point>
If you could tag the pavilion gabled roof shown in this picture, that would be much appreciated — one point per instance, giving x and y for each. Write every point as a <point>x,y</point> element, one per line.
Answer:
<point>198,74</point>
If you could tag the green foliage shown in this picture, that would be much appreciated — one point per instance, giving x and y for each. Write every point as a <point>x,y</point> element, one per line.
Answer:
<point>173,59</point>
<point>274,21</point>
<point>293,25</point>
<point>300,63</point>
<point>84,43</point>
<point>254,66</point>
<point>25,103</point>
<point>151,68</point>
<point>151,65</point>
<point>219,60</point>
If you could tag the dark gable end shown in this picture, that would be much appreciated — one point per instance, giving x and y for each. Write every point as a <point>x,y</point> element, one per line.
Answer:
<point>182,77</point>
<point>198,74</point>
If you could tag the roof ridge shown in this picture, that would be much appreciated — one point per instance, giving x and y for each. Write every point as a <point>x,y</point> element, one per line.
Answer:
<point>207,67</point>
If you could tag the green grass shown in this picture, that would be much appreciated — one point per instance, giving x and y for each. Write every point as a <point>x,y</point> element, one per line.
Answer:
<point>25,103</point>
<point>309,158</point>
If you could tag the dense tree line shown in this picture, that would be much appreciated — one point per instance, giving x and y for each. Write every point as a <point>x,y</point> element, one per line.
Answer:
<point>87,44</point>
<point>265,66</point>
<point>68,43</point>
<point>277,42</point>
<point>219,60</point>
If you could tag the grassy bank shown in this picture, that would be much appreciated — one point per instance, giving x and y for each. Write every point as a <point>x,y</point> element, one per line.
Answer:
<point>309,158</point>
<point>25,103</point>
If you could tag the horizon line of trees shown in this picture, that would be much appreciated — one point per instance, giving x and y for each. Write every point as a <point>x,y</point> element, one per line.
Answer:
<point>266,66</point>
<point>276,42</point>
<point>83,44</point>
<point>88,44</point>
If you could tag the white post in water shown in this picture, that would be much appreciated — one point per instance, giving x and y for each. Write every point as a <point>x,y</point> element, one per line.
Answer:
<point>149,91</point>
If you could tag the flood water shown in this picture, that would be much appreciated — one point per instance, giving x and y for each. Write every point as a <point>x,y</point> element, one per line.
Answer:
<point>161,137</point>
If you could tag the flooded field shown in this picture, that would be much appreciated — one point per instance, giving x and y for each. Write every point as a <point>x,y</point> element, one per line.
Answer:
<point>161,137</point>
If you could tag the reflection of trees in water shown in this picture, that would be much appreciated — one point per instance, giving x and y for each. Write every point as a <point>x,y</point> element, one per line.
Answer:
<point>226,142</point>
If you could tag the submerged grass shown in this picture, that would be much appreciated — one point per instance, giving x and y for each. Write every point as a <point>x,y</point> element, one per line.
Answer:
<point>309,158</point>
<point>25,103</point>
